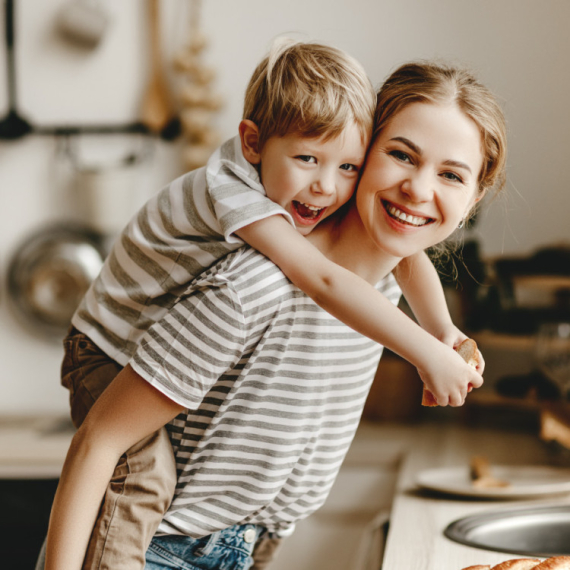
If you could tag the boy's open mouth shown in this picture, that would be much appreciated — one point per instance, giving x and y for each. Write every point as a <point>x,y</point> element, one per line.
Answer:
<point>402,217</point>
<point>307,211</point>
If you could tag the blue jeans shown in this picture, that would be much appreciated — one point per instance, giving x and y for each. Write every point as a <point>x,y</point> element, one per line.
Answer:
<point>228,549</point>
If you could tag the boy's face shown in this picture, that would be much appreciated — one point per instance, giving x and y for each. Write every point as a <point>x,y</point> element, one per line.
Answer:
<point>312,177</point>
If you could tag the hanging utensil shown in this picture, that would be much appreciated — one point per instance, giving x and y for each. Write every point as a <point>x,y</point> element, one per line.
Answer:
<point>49,274</point>
<point>12,126</point>
<point>83,22</point>
<point>156,107</point>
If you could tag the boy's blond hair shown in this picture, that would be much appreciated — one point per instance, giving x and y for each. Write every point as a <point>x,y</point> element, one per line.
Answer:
<point>311,89</point>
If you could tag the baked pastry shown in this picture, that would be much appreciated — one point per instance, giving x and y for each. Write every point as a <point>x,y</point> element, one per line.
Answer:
<point>468,351</point>
<point>481,476</point>
<point>553,563</point>
<point>517,564</point>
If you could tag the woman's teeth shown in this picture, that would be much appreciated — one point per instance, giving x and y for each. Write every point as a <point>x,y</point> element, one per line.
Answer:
<point>406,218</point>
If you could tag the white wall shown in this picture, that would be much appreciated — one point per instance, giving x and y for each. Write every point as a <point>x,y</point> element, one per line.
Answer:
<point>518,47</point>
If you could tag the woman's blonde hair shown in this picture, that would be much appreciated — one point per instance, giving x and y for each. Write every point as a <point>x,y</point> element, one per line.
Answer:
<point>310,89</point>
<point>428,82</point>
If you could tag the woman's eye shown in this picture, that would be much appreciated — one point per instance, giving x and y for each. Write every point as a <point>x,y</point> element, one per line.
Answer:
<point>306,158</point>
<point>400,155</point>
<point>349,167</point>
<point>453,177</point>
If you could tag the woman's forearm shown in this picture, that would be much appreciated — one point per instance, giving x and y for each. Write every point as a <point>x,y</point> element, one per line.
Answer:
<point>129,410</point>
<point>86,472</point>
<point>421,286</point>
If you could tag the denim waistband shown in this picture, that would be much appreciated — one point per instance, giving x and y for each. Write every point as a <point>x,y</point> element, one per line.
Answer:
<point>233,545</point>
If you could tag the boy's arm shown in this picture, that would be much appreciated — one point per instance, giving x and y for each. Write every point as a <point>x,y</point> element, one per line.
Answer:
<point>421,286</point>
<point>129,410</point>
<point>359,305</point>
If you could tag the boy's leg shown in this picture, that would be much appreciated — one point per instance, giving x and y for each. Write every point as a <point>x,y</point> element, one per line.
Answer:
<point>137,497</point>
<point>144,481</point>
<point>85,371</point>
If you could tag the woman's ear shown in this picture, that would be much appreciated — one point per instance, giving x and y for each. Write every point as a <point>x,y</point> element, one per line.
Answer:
<point>249,136</point>
<point>480,195</point>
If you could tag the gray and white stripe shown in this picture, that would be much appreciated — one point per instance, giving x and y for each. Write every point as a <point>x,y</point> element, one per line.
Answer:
<point>176,235</point>
<point>275,388</point>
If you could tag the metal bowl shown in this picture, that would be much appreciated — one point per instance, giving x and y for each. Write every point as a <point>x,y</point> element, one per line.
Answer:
<point>49,274</point>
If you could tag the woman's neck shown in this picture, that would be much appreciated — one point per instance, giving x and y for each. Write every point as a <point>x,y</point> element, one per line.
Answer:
<point>345,241</point>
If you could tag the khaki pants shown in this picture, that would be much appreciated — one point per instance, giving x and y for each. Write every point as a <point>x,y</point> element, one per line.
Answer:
<point>144,480</point>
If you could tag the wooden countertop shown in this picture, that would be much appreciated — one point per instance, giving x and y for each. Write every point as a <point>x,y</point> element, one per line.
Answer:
<point>33,446</point>
<point>415,539</point>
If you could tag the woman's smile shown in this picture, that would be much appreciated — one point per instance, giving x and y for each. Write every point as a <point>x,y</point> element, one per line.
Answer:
<point>404,216</point>
<point>420,178</point>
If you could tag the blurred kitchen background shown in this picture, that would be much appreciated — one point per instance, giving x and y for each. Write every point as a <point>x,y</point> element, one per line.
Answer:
<point>83,70</point>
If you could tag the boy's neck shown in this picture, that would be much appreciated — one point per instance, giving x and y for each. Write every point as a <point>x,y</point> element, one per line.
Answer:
<point>346,242</point>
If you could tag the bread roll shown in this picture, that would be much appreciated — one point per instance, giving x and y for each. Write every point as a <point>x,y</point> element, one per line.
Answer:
<point>468,351</point>
<point>555,563</point>
<point>517,564</point>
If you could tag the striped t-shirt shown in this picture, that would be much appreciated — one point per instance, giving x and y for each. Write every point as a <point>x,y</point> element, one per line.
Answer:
<point>274,387</point>
<point>184,229</point>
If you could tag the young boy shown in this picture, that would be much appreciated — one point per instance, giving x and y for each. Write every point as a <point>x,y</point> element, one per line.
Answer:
<point>308,115</point>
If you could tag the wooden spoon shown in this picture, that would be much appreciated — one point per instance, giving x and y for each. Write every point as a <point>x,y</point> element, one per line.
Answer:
<point>156,109</point>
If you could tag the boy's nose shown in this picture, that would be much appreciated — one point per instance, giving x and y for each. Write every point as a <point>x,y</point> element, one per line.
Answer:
<point>323,185</point>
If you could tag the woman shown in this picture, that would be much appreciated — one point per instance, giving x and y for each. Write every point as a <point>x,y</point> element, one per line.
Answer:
<point>265,390</point>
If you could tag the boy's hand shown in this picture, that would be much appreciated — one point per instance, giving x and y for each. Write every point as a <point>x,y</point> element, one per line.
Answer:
<point>453,337</point>
<point>448,377</point>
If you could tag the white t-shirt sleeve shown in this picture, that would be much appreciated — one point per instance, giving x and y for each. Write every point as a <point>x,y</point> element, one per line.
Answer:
<point>235,191</point>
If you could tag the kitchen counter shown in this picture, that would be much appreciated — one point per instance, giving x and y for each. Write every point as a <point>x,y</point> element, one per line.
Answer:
<point>415,539</point>
<point>36,448</point>
<point>33,447</point>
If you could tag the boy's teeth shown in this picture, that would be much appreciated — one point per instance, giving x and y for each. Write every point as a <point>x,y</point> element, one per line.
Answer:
<point>314,208</point>
<point>413,220</point>
<point>307,211</point>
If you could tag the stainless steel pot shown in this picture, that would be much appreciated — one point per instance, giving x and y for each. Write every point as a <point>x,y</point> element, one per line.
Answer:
<point>49,274</point>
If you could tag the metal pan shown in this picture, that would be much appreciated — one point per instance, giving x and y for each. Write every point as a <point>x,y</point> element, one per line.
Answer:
<point>49,274</point>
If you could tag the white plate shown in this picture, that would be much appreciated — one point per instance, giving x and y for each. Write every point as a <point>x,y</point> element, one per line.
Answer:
<point>525,481</point>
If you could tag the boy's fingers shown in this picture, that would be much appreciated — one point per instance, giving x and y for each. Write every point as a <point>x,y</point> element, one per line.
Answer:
<point>477,380</point>
<point>456,400</point>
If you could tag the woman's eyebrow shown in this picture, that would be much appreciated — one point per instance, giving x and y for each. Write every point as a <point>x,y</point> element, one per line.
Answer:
<point>409,144</point>
<point>458,164</point>
<point>415,148</point>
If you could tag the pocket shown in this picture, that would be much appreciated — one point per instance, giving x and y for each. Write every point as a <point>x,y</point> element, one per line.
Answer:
<point>69,365</point>
<point>86,372</point>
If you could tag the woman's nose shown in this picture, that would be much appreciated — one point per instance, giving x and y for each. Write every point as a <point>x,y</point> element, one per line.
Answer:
<point>418,187</point>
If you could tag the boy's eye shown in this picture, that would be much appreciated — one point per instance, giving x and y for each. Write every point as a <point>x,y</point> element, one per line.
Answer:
<point>400,155</point>
<point>349,167</point>
<point>453,177</point>
<point>306,158</point>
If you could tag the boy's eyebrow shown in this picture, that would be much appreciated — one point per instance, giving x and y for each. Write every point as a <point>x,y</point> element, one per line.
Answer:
<point>418,151</point>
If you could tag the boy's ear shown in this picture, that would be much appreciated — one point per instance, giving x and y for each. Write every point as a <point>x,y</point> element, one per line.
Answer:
<point>249,136</point>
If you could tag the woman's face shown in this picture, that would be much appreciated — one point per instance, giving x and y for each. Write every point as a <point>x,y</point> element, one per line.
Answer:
<point>420,178</point>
